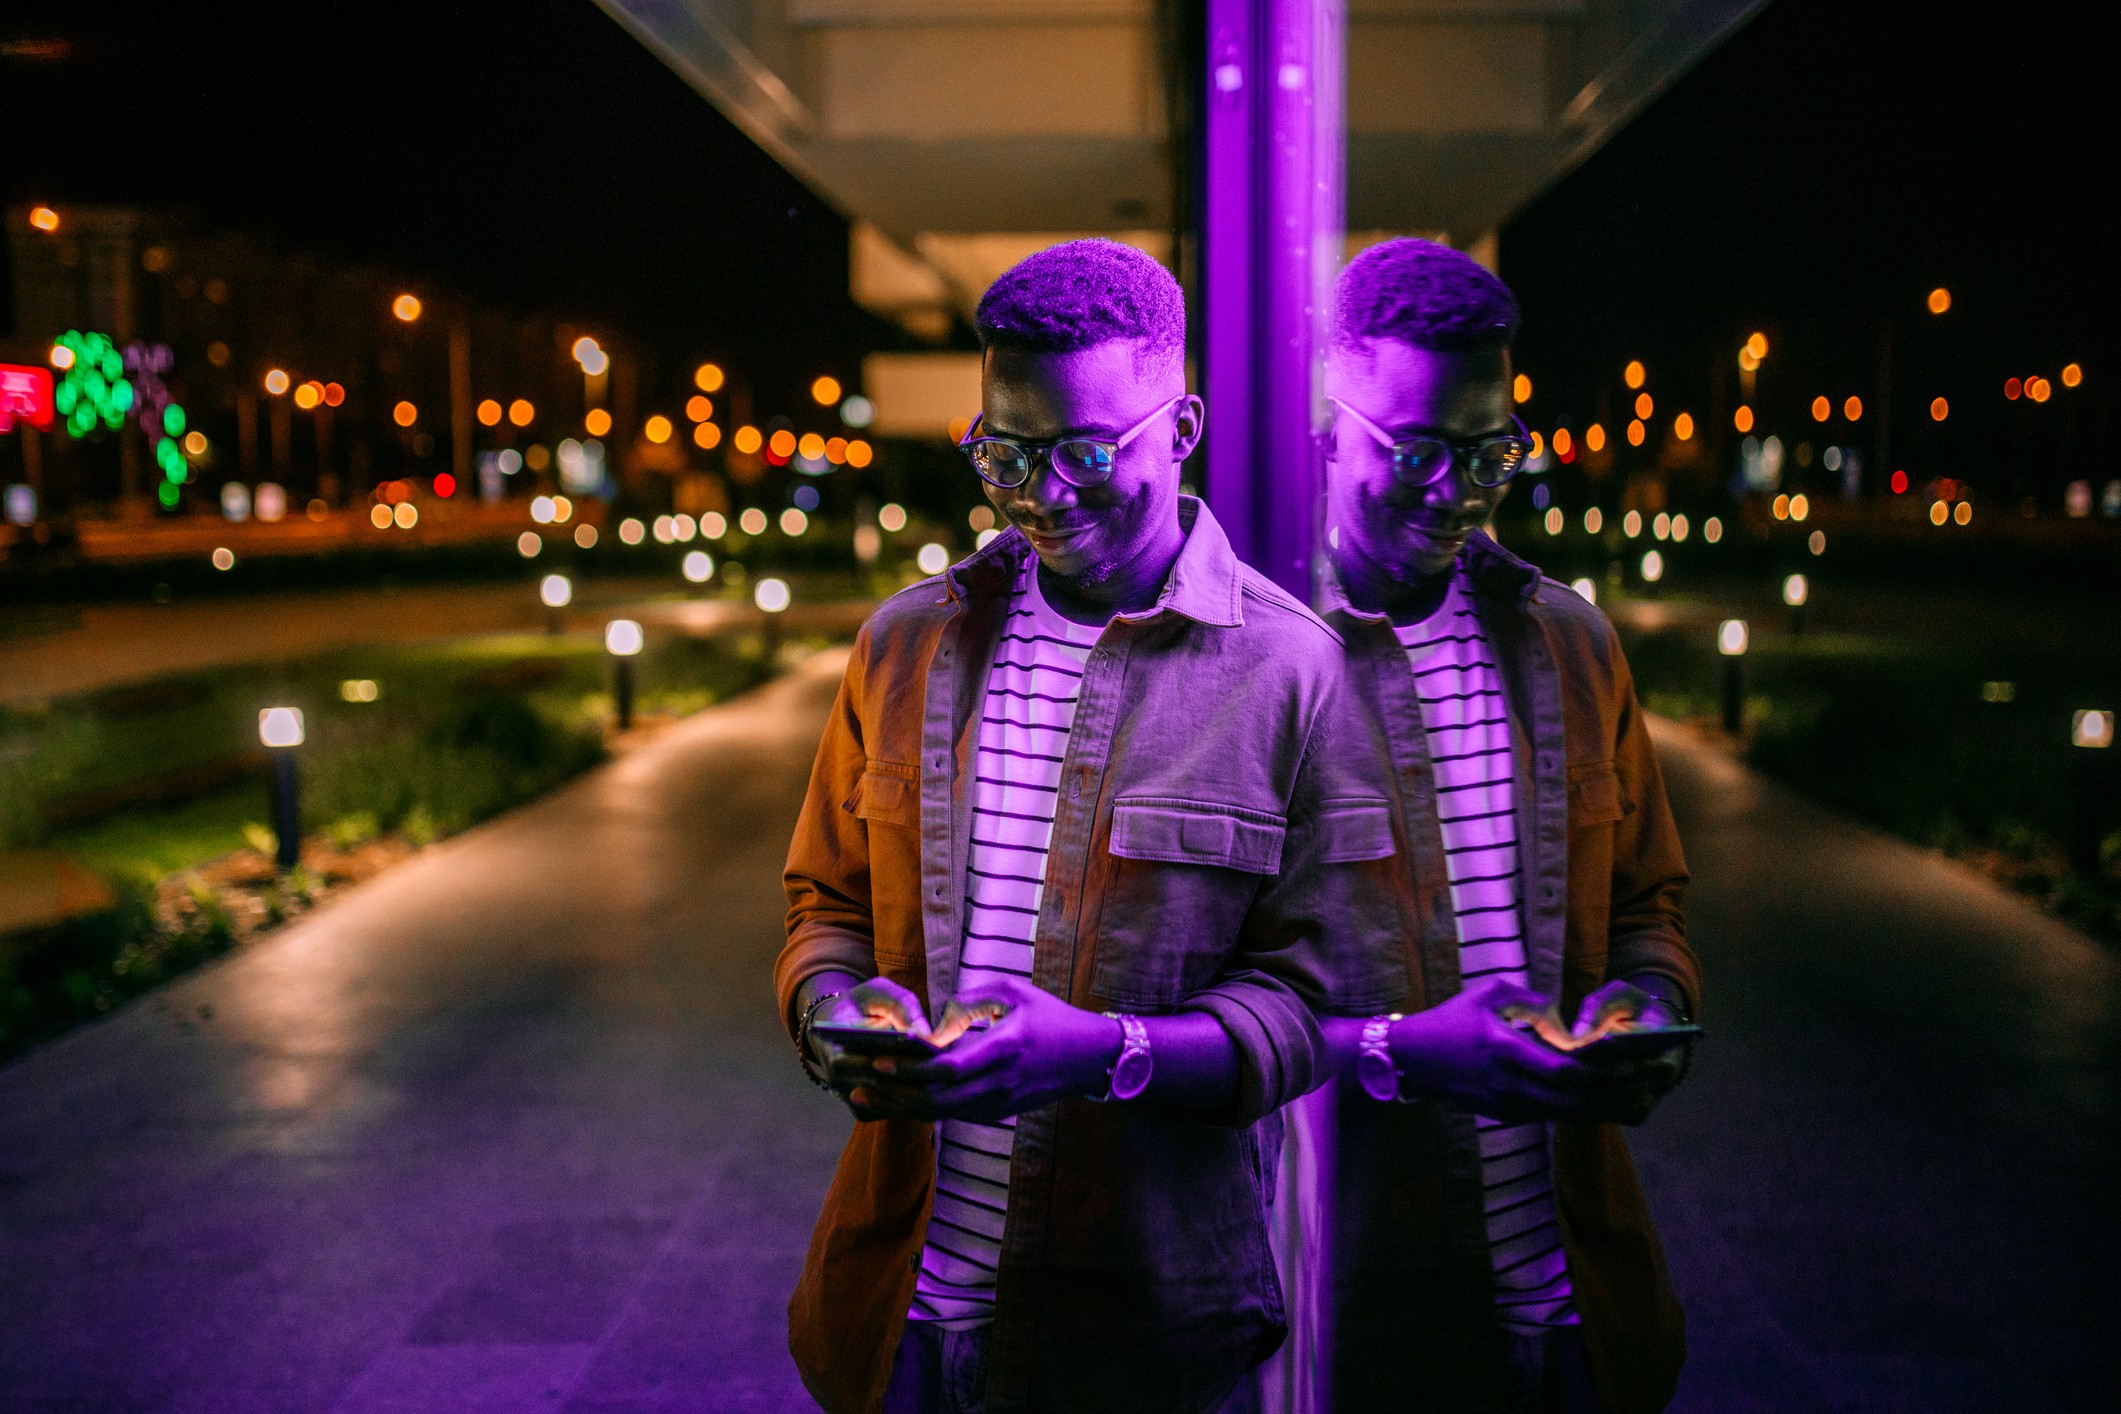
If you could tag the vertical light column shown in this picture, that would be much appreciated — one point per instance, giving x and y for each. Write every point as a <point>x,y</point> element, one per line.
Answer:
<point>1272,149</point>
<point>1273,138</point>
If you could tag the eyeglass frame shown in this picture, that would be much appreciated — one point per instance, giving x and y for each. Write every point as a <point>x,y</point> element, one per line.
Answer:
<point>1457,447</point>
<point>1037,449</point>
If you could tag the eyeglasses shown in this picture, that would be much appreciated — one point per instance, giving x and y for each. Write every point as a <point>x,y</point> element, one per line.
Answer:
<point>1424,460</point>
<point>1009,462</point>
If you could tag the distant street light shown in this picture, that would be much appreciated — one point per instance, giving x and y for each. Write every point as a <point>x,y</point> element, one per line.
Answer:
<point>825,391</point>
<point>280,730</point>
<point>1795,590</point>
<point>1731,642</point>
<point>773,598</point>
<point>1652,567</point>
<point>622,640</point>
<point>555,592</point>
<point>406,307</point>
<point>2092,734</point>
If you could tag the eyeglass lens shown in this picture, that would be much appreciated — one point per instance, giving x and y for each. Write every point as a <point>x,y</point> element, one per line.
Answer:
<point>1423,460</point>
<point>1079,461</point>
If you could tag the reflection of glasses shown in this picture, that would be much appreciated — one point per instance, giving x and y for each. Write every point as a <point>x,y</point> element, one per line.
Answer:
<point>1423,460</point>
<point>1080,461</point>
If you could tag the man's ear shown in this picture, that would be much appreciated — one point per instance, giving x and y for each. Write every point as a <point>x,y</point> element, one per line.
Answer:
<point>1188,420</point>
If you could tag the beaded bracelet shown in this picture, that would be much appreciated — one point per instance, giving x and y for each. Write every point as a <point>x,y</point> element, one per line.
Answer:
<point>802,1040</point>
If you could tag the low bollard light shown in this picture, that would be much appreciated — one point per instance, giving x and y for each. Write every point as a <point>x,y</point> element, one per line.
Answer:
<point>2092,734</point>
<point>623,640</point>
<point>773,598</point>
<point>1796,589</point>
<point>555,592</point>
<point>280,731</point>
<point>1731,642</point>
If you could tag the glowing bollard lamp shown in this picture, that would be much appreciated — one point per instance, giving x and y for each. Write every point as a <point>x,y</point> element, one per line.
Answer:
<point>555,592</point>
<point>280,730</point>
<point>773,598</point>
<point>1795,591</point>
<point>622,640</point>
<point>2092,734</point>
<point>1731,640</point>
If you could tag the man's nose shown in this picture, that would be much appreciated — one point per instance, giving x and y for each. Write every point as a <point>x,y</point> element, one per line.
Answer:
<point>1045,492</point>
<point>1455,491</point>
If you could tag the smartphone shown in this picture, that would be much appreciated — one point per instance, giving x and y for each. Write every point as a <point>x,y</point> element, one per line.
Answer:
<point>876,1041</point>
<point>1643,1043</point>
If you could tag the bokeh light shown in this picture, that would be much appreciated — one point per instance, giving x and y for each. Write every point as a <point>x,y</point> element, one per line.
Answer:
<point>747,440</point>
<point>1521,388</point>
<point>405,414</point>
<point>488,413</point>
<point>656,429</point>
<point>1635,374</point>
<point>932,559</point>
<point>597,422</point>
<point>707,378</point>
<point>406,307</point>
<point>521,411</point>
<point>825,391</point>
<point>276,381</point>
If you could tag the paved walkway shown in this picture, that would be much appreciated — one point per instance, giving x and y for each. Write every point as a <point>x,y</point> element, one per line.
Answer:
<point>513,1129</point>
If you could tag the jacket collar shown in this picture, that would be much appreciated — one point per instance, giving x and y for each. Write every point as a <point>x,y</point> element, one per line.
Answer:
<point>1492,573</point>
<point>1205,584</point>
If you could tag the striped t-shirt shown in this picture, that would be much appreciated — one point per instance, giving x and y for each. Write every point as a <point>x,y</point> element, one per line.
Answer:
<point>1467,721</point>
<point>1023,736</point>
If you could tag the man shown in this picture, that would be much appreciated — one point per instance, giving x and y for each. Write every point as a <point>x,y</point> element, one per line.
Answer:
<point>1072,785</point>
<point>1495,1252</point>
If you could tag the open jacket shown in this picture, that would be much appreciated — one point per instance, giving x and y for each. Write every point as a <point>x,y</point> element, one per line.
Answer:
<point>1185,873</point>
<point>1603,879</point>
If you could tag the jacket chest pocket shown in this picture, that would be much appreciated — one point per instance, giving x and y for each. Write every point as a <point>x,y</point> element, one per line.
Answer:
<point>887,794</point>
<point>1182,875</point>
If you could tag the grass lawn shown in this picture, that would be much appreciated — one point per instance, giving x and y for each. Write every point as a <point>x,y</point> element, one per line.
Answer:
<point>148,783</point>
<point>1961,747</point>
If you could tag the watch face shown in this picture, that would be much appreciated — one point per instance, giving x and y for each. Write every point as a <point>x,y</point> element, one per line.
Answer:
<point>1378,1077</point>
<point>1131,1076</point>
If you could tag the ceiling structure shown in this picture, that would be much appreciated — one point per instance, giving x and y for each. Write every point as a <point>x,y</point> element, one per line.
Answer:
<point>961,134</point>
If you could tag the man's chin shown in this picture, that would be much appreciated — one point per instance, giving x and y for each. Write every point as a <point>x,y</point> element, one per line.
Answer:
<point>1428,554</point>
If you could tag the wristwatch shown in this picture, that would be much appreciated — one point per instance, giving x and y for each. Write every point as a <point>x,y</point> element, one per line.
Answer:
<point>1375,1069</point>
<point>1130,1073</point>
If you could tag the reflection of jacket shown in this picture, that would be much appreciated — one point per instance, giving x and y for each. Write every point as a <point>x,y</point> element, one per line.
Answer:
<point>1603,877</point>
<point>1134,1272</point>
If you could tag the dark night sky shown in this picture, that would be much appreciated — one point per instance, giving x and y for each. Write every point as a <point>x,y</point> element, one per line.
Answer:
<point>1825,169</point>
<point>531,151</point>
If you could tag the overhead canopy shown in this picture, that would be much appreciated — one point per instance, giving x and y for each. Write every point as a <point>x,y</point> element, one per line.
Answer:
<point>960,134</point>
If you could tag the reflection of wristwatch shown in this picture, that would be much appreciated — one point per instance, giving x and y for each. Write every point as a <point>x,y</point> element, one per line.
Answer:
<point>1375,1070</point>
<point>1129,1075</point>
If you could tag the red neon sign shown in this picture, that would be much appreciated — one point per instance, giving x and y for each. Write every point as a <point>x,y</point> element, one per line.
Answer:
<point>25,395</point>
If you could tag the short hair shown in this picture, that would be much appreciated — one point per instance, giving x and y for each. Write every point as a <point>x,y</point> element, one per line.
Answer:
<point>1425,295</point>
<point>1079,294</point>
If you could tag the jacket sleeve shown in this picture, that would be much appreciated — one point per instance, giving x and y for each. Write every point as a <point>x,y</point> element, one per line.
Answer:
<point>1268,997</point>
<point>1648,929</point>
<point>830,924</point>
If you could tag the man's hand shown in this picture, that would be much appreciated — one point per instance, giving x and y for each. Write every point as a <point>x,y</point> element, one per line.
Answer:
<point>1038,1049</point>
<point>1634,1087</point>
<point>1466,1052</point>
<point>878,1001</point>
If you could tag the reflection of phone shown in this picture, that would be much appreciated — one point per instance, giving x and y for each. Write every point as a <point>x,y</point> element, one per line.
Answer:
<point>876,1041</point>
<point>1642,1043</point>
